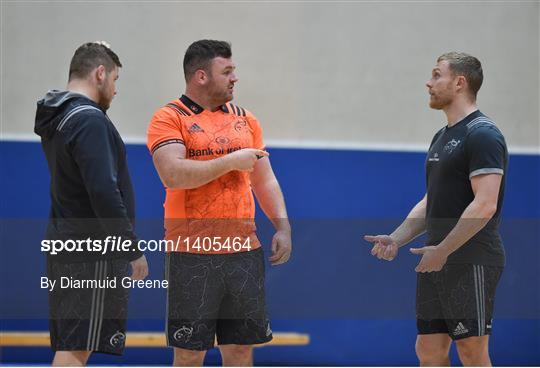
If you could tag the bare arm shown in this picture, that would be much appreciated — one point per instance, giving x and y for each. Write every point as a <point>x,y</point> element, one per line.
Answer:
<point>175,171</point>
<point>478,212</point>
<point>268,193</point>
<point>413,226</point>
<point>386,246</point>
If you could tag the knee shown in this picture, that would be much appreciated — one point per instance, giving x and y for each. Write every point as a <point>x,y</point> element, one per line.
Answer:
<point>184,357</point>
<point>71,358</point>
<point>238,351</point>
<point>236,355</point>
<point>472,353</point>
<point>431,354</point>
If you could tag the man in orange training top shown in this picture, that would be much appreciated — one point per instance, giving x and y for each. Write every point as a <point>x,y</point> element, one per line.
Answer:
<point>210,155</point>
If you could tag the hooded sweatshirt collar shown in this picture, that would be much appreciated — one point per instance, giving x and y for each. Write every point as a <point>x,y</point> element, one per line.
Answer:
<point>53,106</point>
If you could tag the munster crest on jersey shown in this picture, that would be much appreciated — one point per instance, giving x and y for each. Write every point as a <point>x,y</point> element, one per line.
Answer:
<point>451,146</point>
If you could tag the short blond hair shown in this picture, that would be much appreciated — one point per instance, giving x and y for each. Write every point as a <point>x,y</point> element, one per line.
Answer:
<point>466,65</point>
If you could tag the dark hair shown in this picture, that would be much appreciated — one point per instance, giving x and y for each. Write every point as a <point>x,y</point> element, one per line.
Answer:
<point>466,65</point>
<point>91,55</point>
<point>200,53</point>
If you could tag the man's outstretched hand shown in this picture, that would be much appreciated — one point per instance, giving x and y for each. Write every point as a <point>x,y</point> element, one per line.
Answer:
<point>384,247</point>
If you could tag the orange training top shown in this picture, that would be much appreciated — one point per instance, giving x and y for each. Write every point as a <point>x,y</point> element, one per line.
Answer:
<point>224,207</point>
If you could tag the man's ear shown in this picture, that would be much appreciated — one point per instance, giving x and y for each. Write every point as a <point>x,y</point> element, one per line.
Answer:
<point>461,83</point>
<point>200,77</point>
<point>100,73</point>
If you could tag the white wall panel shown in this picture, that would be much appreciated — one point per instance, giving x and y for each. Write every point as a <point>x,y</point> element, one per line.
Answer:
<point>344,73</point>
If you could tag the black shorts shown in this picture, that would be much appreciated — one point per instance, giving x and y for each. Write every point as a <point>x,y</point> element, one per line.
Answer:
<point>216,295</point>
<point>92,317</point>
<point>458,300</point>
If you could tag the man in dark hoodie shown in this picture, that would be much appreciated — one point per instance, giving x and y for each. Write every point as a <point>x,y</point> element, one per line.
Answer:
<point>91,199</point>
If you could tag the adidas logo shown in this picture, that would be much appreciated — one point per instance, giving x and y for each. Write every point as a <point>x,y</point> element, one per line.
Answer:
<point>268,329</point>
<point>195,128</point>
<point>460,329</point>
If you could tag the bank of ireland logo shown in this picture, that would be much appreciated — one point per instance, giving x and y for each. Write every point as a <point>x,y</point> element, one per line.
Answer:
<point>118,339</point>
<point>451,146</point>
<point>183,334</point>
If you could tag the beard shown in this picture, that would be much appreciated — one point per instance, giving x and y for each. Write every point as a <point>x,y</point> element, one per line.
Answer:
<point>219,94</point>
<point>444,97</point>
<point>105,102</point>
<point>440,101</point>
<point>105,98</point>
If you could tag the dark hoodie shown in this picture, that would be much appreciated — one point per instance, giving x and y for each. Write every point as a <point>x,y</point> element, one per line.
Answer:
<point>91,192</point>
